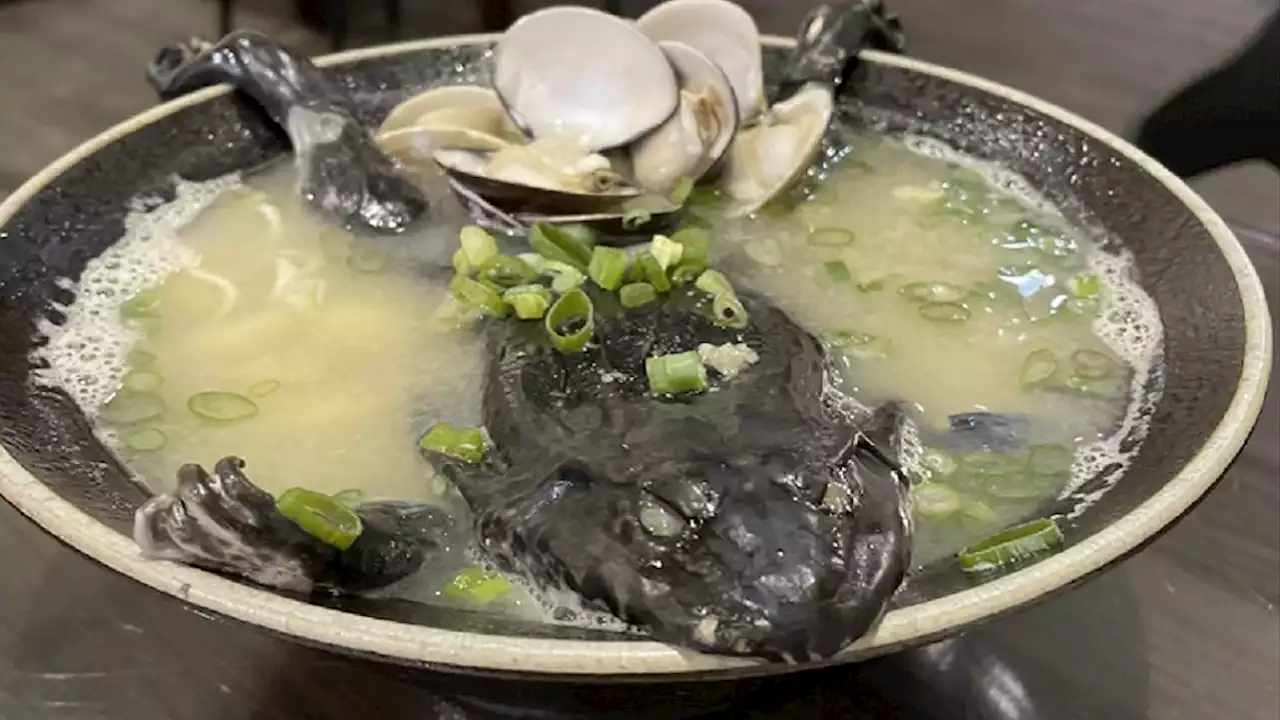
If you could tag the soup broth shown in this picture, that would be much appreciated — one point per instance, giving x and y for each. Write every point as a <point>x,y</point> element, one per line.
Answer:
<point>234,323</point>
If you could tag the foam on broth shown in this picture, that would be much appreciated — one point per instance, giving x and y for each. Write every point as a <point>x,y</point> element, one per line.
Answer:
<point>348,367</point>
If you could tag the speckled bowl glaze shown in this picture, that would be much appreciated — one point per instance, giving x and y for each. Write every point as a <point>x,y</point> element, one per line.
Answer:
<point>1217,353</point>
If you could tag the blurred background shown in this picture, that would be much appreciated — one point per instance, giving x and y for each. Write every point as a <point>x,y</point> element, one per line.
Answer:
<point>71,68</point>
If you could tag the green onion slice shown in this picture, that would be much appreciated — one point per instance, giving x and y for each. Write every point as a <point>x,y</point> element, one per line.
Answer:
<point>581,233</point>
<point>680,193</point>
<point>979,511</point>
<point>554,243</point>
<point>143,381</point>
<point>461,265</point>
<point>506,272</point>
<point>837,271</point>
<point>477,586</point>
<point>608,265</point>
<point>1017,486</point>
<point>684,274</point>
<point>990,462</point>
<point>1091,364</point>
<point>636,294</point>
<point>145,304</point>
<point>221,406</point>
<point>676,373</point>
<point>665,250</point>
<point>352,498</point>
<point>944,312</point>
<point>938,463</point>
<point>633,219</point>
<point>654,272</point>
<point>727,311</point>
<point>831,237</point>
<point>368,259</point>
<point>1083,306</point>
<point>465,444</point>
<point>530,301</point>
<point>478,246</point>
<point>1050,460</point>
<point>571,321</point>
<point>1012,545</point>
<point>478,295</point>
<point>1039,366</point>
<point>934,500</point>
<point>263,388</point>
<point>127,408</point>
<point>138,357</point>
<point>934,291</point>
<point>321,517</point>
<point>858,345</point>
<point>145,440</point>
<point>695,244</point>
<point>1085,285</point>
<point>713,282</point>
<point>564,277</point>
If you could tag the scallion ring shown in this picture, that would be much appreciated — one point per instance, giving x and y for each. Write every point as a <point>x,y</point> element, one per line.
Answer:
<point>468,444</point>
<point>607,266</point>
<point>529,301</point>
<point>727,311</point>
<point>1091,364</point>
<point>1013,545</point>
<point>635,295</point>
<point>676,373</point>
<point>478,246</point>
<point>321,517</point>
<point>554,243</point>
<point>1039,366</point>
<point>571,321</point>
<point>478,295</point>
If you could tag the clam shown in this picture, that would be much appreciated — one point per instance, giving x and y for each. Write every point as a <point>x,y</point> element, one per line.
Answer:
<point>724,33</point>
<point>769,157</point>
<point>449,97</point>
<point>694,139</point>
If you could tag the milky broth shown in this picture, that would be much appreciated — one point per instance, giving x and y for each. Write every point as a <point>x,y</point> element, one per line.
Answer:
<point>350,349</point>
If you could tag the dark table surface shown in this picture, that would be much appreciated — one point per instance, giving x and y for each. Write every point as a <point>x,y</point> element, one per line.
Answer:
<point>1188,629</point>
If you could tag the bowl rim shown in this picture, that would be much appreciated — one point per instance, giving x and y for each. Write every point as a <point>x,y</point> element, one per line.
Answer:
<point>417,644</point>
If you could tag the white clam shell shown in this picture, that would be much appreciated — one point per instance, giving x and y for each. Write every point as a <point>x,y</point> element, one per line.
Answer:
<point>458,127</point>
<point>694,139</point>
<point>722,31</point>
<point>584,74</point>
<point>409,111</point>
<point>769,157</point>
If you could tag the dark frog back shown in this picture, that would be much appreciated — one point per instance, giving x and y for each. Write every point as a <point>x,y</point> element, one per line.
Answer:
<point>752,518</point>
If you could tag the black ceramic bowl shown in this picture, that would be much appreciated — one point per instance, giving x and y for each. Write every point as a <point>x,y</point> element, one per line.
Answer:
<point>1217,352</point>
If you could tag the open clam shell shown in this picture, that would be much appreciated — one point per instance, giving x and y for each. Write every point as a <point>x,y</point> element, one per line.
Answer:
<point>769,157</point>
<point>698,134</point>
<point>409,111</point>
<point>585,74</point>
<point>517,179</point>
<point>722,31</point>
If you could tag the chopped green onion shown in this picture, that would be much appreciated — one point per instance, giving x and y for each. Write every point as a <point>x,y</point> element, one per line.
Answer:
<point>1083,306</point>
<point>264,388</point>
<point>138,357</point>
<point>608,264</point>
<point>221,406</point>
<point>633,219</point>
<point>837,271</point>
<point>465,444</point>
<point>461,264</point>
<point>944,312</point>
<point>1016,486</point>
<point>934,292</point>
<point>666,251</point>
<point>654,272</point>
<point>145,440</point>
<point>571,321</point>
<point>727,311</point>
<point>676,373</point>
<point>1012,545</point>
<point>506,272</point>
<point>530,301</point>
<point>145,304</point>
<point>695,244</point>
<point>831,237</point>
<point>713,282</point>
<point>680,193</point>
<point>858,345</point>
<point>143,381</point>
<point>128,408</point>
<point>554,243</point>
<point>477,586</point>
<point>636,294</point>
<point>1085,285</point>
<point>870,285</point>
<point>478,295</point>
<point>990,462</point>
<point>1039,366</point>
<point>1049,460</point>
<point>684,274</point>
<point>367,259</point>
<point>934,500</point>
<point>478,246</point>
<point>978,510</point>
<point>938,463</point>
<point>564,277</point>
<point>582,234</point>
<point>1091,364</point>
<point>352,498</point>
<point>321,517</point>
